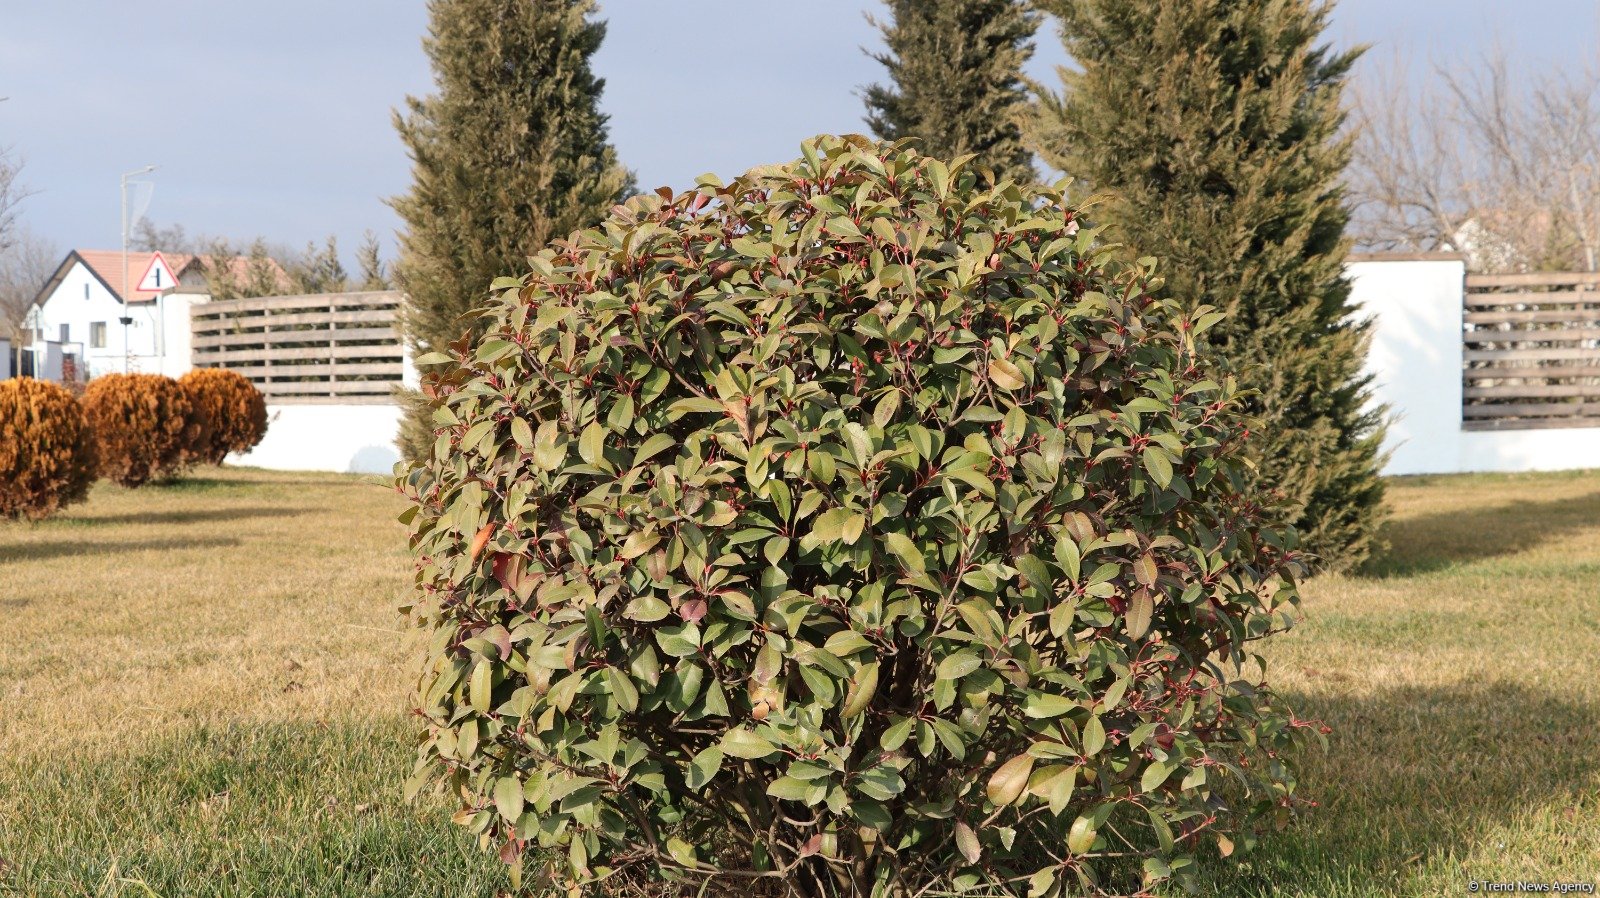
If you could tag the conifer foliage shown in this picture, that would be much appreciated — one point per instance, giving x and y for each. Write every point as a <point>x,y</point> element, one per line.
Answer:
<point>955,68</point>
<point>510,153</point>
<point>1213,130</point>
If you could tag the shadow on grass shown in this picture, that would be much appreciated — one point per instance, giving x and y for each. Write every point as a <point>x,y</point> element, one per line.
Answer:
<point>186,516</point>
<point>239,482</point>
<point>87,550</point>
<point>1423,777</point>
<point>1446,539</point>
<point>310,809</point>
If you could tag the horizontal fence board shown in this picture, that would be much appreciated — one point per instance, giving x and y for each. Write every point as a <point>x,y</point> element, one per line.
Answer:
<point>1526,298</point>
<point>232,307</point>
<point>1532,409</point>
<point>1533,279</point>
<point>1544,354</point>
<point>323,369</point>
<point>297,335</point>
<point>299,319</point>
<point>1531,424</point>
<point>1541,316</point>
<point>1529,372</point>
<point>224,358</point>
<point>1535,391</point>
<point>1553,335</point>
<point>290,388</point>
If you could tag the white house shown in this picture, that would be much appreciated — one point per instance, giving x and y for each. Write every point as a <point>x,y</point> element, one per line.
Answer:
<point>84,323</point>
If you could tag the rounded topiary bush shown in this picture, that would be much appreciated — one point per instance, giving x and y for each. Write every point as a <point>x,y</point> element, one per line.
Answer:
<point>234,412</point>
<point>47,454</point>
<point>143,426</point>
<point>857,525</point>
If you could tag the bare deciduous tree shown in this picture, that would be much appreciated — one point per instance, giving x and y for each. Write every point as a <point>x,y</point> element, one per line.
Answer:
<point>12,193</point>
<point>24,267</point>
<point>1504,168</point>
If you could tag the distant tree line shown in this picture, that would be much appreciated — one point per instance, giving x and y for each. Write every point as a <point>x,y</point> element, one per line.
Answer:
<point>259,268</point>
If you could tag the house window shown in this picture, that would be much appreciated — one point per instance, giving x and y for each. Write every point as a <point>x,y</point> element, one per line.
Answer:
<point>66,333</point>
<point>97,335</point>
<point>85,291</point>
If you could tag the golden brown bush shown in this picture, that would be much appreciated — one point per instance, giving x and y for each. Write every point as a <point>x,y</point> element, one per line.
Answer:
<point>234,410</point>
<point>143,425</point>
<point>47,453</point>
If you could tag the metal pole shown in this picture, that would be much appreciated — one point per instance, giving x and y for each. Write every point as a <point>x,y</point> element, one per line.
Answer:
<point>127,297</point>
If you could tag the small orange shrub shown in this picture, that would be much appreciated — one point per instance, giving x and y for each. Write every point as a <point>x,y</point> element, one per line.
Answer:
<point>143,424</point>
<point>47,453</point>
<point>232,406</point>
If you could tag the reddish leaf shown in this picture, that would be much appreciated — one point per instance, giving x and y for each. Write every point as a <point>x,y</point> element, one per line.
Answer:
<point>481,540</point>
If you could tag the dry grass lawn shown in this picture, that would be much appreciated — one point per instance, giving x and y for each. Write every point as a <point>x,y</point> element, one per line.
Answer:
<point>203,691</point>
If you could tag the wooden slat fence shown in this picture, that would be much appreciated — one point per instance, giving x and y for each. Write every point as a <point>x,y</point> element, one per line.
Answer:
<point>331,348</point>
<point>1532,351</point>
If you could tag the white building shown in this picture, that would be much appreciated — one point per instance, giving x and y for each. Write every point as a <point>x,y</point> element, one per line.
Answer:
<point>83,323</point>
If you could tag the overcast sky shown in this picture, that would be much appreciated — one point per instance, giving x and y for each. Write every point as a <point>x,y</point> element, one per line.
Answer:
<point>273,118</point>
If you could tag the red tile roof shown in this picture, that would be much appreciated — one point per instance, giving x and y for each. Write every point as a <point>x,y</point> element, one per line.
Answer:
<point>107,266</point>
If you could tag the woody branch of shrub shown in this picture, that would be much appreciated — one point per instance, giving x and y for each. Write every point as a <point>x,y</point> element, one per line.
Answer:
<point>858,526</point>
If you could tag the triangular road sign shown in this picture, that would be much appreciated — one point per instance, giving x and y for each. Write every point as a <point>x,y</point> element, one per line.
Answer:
<point>158,276</point>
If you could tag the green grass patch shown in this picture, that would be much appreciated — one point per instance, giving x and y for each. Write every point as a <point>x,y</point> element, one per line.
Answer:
<point>203,690</point>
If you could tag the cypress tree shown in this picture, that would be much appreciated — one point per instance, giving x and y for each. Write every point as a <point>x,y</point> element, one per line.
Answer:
<point>955,68</point>
<point>374,273</point>
<point>1213,130</point>
<point>510,153</point>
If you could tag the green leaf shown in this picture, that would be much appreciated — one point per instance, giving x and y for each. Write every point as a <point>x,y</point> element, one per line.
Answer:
<point>789,789</point>
<point>1080,838</point>
<point>1159,466</point>
<point>956,666</point>
<point>1094,737</point>
<point>905,550</point>
<point>1140,608</point>
<point>704,767</point>
<point>478,693</point>
<point>622,689</point>
<point>522,433</point>
<point>1155,775</point>
<point>652,446</point>
<point>591,446</point>
<point>1006,783</point>
<point>639,542</point>
<point>967,843</point>
<point>508,797</point>
<point>1041,705</point>
<point>862,689</point>
<point>829,526</point>
<point>897,733</point>
<point>646,609</point>
<point>743,743</point>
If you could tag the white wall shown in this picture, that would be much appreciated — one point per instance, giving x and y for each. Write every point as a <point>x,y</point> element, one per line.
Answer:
<point>346,438</point>
<point>1416,362</point>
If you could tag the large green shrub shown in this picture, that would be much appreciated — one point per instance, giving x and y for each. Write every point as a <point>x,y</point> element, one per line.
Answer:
<point>47,455</point>
<point>858,526</point>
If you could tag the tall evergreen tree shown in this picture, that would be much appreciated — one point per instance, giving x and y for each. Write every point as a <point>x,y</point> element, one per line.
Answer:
<point>1214,130</point>
<point>955,68</point>
<point>318,269</point>
<point>510,153</point>
<point>374,272</point>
